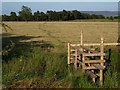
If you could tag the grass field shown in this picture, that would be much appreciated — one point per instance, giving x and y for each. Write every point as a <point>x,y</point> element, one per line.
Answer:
<point>39,55</point>
<point>67,31</point>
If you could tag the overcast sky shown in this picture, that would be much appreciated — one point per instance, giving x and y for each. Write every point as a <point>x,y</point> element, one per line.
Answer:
<point>7,7</point>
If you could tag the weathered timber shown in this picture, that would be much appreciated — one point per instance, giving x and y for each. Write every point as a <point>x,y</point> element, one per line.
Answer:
<point>89,67</point>
<point>98,66</point>
<point>94,54</point>
<point>68,53</point>
<point>95,44</point>
<point>94,61</point>
<point>92,75</point>
<point>102,64</point>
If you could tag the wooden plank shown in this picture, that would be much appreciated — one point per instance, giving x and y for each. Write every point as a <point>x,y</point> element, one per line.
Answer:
<point>92,75</point>
<point>94,61</point>
<point>73,45</point>
<point>94,54</point>
<point>90,44</point>
<point>89,67</point>
<point>98,66</point>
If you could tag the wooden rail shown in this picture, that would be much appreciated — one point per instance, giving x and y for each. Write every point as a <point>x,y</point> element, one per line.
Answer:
<point>96,44</point>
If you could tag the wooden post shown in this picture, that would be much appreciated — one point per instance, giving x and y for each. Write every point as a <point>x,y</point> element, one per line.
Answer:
<point>102,64</point>
<point>83,63</point>
<point>79,57</point>
<point>81,40</point>
<point>75,63</point>
<point>93,78</point>
<point>68,53</point>
<point>89,63</point>
<point>81,37</point>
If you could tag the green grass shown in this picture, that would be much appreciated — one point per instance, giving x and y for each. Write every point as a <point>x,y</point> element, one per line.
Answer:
<point>43,68</point>
<point>37,63</point>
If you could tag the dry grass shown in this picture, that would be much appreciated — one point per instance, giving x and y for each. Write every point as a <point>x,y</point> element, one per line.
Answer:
<point>66,31</point>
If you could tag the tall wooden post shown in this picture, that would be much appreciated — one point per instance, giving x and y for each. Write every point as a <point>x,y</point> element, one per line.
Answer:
<point>102,64</point>
<point>75,63</point>
<point>81,39</point>
<point>82,56</point>
<point>68,53</point>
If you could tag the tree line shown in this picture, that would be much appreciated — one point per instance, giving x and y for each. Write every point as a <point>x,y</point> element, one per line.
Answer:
<point>25,14</point>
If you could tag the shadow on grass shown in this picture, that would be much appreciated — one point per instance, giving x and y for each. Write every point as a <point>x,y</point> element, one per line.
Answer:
<point>21,48</point>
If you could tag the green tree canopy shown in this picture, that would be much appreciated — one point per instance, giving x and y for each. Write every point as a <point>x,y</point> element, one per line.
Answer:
<point>25,14</point>
<point>13,16</point>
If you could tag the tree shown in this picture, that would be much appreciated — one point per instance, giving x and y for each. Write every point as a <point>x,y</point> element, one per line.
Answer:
<point>5,18</point>
<point>65,15</point>
<point>76,14</point>
<point>111,18</point>
<point>52,15</point>
<point>13,16</point>
<point>43,16</point>
<point>25,14</point>
<point>37,16</point>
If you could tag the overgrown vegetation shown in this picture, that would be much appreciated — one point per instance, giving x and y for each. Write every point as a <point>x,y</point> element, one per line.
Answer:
<point>41,67</point>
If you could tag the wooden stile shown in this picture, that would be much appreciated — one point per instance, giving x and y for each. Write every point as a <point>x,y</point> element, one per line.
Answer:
<point>82,54</point>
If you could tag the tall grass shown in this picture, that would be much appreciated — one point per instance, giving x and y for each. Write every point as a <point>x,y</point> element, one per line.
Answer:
<point>111,74</point>
<point>43,68</point>
<point>38,63</point>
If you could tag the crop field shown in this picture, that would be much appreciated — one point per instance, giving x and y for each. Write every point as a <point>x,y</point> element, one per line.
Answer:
<point>66,31</point>
<point>39,53</point>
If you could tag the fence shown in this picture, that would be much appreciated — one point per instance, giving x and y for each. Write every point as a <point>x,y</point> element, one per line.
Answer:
<point>86,57</point>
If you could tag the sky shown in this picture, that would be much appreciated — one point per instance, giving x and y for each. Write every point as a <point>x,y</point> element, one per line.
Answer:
<point>7,7</point>
<point>60,0</point>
